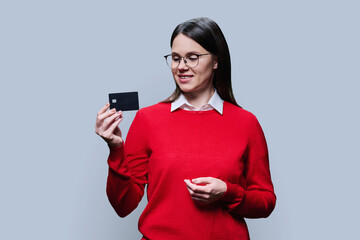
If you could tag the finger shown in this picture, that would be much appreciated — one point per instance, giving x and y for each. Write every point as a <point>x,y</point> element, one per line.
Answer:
<point>110,120</point>
<point>109,133</point>
<point>198,195</point>
<point>103,109</point>
<point>115,124</point>
<point>189,184</point>
<point>199,199</point>
<point>196,188</point>
<point>190,191</point>
<point>203,180</point>
<point>100,118</point>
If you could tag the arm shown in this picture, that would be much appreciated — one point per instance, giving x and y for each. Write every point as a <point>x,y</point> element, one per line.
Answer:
<point>254,197</point>
<point>128,169</point>
<point>257,198</point>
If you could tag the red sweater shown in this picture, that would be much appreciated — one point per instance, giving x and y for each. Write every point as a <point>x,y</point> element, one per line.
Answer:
<point>163,148</point>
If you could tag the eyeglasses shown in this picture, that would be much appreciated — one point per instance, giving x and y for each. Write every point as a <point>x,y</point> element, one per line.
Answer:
<point>191,61</point>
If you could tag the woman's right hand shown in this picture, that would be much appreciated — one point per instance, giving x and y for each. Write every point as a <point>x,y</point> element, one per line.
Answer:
<point>107,126</point>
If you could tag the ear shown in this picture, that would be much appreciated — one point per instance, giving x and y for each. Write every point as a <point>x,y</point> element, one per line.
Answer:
<point>215,66</point>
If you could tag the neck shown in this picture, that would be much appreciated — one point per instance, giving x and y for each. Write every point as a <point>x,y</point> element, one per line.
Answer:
<point>198,99</point>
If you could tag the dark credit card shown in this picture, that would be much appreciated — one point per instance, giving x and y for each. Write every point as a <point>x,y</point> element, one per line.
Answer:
<point>125,101</point>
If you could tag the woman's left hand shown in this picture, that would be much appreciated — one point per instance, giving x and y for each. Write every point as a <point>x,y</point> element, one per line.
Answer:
<point>206,189</point>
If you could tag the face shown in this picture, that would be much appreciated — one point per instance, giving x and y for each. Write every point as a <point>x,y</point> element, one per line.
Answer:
<point>199,78</point>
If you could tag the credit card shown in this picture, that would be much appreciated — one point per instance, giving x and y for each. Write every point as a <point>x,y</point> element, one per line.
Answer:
<point>125,101</point>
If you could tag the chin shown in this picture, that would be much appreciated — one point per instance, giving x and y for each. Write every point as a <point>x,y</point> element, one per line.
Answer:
<point>185,89</point>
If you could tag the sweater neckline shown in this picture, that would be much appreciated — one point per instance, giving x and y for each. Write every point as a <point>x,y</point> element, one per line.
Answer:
<point>183,111</point>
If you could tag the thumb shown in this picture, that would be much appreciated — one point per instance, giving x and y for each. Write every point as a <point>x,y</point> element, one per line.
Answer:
<point>202,180</point>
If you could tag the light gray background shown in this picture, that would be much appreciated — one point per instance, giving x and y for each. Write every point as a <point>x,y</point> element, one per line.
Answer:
<point>295,66</point>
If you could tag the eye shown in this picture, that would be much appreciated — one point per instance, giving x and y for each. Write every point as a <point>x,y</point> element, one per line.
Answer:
<point>192,58</point>
<point>176,58</point>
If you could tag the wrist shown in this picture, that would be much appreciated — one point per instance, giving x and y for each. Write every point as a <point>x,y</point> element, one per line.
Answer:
<point>115,145</point>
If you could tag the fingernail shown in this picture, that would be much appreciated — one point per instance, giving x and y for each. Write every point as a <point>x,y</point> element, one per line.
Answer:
<point>108,104</point>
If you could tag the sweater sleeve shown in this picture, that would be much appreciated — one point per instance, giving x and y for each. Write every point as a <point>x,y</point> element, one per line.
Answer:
<point>255,198</point>
<point>128,167</point>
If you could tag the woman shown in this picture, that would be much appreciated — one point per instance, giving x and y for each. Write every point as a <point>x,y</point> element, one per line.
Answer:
<point>203,158</point>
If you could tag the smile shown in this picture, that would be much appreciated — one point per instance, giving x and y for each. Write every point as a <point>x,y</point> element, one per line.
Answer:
<point>185,78</point>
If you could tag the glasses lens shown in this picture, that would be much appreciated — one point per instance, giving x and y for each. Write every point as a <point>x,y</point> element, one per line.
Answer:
<point>172,62</point>
<point>192,61</point>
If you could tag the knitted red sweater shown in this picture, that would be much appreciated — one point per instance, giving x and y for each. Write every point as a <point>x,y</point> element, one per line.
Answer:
<point>163,148</point>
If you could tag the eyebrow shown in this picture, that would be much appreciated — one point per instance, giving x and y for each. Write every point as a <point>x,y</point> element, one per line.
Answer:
<point>187,54</point>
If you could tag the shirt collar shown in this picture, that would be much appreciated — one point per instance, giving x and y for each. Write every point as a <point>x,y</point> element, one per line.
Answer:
<point>215,102</point>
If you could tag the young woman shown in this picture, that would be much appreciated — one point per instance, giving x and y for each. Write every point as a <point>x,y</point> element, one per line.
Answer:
<point>203,158</point>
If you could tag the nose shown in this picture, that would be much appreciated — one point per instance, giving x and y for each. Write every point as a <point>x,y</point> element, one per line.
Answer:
<point>182,64</point>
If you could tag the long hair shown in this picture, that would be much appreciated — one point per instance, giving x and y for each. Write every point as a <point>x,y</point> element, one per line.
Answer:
<point>208,34</point>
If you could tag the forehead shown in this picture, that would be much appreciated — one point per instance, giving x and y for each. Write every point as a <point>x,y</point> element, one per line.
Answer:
<point>183,45</point>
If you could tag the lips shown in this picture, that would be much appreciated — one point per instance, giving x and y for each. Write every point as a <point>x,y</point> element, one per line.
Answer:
<point>184,78</point>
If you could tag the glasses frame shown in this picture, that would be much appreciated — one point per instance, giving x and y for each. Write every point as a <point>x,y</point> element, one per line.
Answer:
<point>185,60</point>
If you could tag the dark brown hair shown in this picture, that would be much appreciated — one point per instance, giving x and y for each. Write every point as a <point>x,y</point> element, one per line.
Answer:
<point>208,34</point>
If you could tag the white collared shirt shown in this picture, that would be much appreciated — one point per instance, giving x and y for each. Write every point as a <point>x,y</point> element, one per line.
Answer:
<point>215,102</point>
